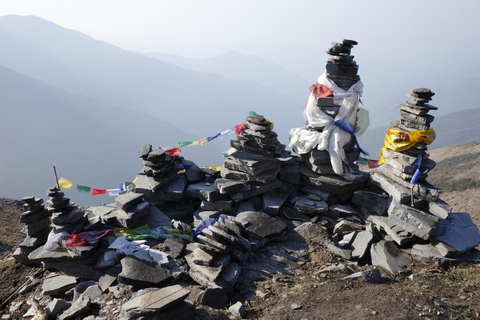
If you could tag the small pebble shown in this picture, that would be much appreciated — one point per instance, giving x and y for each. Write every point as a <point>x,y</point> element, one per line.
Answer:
<point>295,306</point>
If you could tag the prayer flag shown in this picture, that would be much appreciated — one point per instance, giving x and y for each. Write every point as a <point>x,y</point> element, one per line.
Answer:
<point>184,143</point>
<point>214,168</point>
<point>85,189</point>
<point>320,91</point>
<point>201,142</point>
<point>372,163</point>
<point>271,123</point>
<point>98,191</point>
<point>252,113</point>
<point>227,132</point>
<point>135,181</point>
<point>113,192</point>
<point>212,137</point>
<point>172,153</point>
<point>238,128</point>
<point>64,183</point>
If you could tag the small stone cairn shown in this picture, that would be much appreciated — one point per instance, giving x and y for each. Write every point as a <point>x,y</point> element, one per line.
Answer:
<point>37,227</point>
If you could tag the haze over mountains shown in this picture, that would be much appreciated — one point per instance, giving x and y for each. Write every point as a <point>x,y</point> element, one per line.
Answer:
<point>88,106</point>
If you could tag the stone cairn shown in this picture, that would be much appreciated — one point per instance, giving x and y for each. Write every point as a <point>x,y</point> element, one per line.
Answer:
<point>37,227</point>
<point>343,71</point>
<point>64,215</point>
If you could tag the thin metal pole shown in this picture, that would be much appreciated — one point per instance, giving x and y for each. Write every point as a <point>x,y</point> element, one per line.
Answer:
<point>56,178</point>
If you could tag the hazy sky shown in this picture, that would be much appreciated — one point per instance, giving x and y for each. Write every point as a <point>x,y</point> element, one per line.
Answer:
<point>200,28</point>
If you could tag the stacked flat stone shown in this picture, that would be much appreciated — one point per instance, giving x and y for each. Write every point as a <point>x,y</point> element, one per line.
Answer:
<point>64,215</point>
<point>341,68</point>
<point>256,164</point>
<point>210,260</point>
<point>37,227</point>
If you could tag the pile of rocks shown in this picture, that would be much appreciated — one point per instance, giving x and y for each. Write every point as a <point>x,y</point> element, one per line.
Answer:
<point>341,68</point>
<point>37,227</point>
<point>64,215</point>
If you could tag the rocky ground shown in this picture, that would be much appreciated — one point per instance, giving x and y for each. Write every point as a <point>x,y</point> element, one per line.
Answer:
<point>310,286</point>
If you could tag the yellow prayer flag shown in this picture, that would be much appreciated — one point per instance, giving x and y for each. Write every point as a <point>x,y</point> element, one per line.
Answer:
<point>135,181</point>
<point>271,123</point>
<point>214,168</point>
<point>64,183</point>
<point>201,142</point>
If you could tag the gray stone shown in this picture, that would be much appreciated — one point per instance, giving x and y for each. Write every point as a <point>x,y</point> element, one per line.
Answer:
<point>81,269</point>
<point>398,234</point>
<point>257,188</point>
<point>226,186</point>
<point>175,247</point>
<point>154,219</point>
<point>386,254</point>
<point>202,257</point>
<point>418,223</point>
<point>251,167</point>
<point>372,276</point>
<point>310,207</point>
<point>421,189</point>
<point>458,231</point>
<point>346,226</point>
<point>78,308</point>
<point>172,190</point>
<point>206,276</point>
<point>218,205</point>
<point>378,203</point>
<point>203,191</point>
<point>320,194</point>
<point>32,228</point>
<point>273,200</point>
<point>344,253</point>
<point>361,243</point>
<point>335,184</point>
<point>92,291</point>
<point>106,281</point>
<point>142,274</point>
<point>261,228</point>
<point>212,242</point>
<point>106,259</point>
<point>313,233</point>
<point>56,307</point>
<point>128,200</point>
<point>147,303</point>
<point>146,149</point>
<point>439,209</point>
<point>263,177</point>
<point>428,253</point>
<point>398,192</point>
<point>56,284</point>
<point>342,210</point>
<point>237,309</point>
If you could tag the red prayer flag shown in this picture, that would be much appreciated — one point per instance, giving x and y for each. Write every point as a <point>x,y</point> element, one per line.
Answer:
<point>372,163</point>
<point>98,191</point>
<point>320,91</point>
<point>238,128</point>
<point>173,152</point>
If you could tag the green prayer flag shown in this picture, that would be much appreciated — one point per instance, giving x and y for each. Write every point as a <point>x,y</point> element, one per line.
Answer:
<point>252,113</point>
<point>362,161</point>
<point>83,188</point>
<point>184,143</point>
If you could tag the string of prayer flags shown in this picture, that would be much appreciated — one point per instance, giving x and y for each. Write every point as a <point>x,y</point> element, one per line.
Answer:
<point>227,132</point>
<point>114,192</point>
<point>64,183</point>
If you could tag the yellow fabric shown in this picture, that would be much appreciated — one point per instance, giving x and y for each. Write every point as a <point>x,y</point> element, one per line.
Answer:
<point>135,181</point>
<point>214,168</point>
<point>201,142</point>
<point>271,123</point>
<point>398,140</point>
<point>64,183</point>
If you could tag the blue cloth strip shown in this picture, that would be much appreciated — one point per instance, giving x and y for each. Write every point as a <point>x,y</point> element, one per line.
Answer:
<point>345,126</point>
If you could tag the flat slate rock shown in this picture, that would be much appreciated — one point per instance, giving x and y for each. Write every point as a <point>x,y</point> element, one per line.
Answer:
<point>142,274</point>
<point>55,284</point>
<point>149,302</point>
<point>419,223</point>
<point>458,231</point>
<point>260,227</point>
<point>386,254</point>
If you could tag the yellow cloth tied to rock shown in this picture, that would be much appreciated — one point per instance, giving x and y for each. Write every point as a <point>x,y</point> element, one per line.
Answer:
<point>398,140</point>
